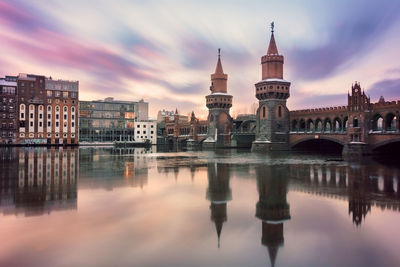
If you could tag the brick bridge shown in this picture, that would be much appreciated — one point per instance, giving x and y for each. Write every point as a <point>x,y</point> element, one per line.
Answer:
<point>372,125</point>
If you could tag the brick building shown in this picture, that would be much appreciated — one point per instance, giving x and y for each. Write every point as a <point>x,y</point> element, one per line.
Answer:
<point>8,99</point>
<point>47,110</point>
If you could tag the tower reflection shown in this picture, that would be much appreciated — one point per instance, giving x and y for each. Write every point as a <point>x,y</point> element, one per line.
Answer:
<point>219,193</point>
<point>272,207</point>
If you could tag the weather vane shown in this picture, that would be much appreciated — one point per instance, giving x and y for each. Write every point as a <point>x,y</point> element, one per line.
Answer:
<point>272,27</point>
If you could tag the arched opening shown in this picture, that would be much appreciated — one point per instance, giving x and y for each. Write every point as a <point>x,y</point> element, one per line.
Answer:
<point>319,146</point>
<point>310,125</point>
<point>337,125</point>
<point>355,122</point>
<point>345,124</point>
<point>294,126</point>
<point>391,121</point>
<point>279,111</point>
<point>318,125</point>
<point>377,122</point>
<point>388,153</point>
<point>327,125</point>
<point>302,126</point>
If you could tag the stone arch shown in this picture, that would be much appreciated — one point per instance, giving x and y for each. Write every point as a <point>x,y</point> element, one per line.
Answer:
<point>310,125</point>
<point>321,137</point>
<point>377,122</point>
<point>327,125</point>
<point>390,122</point>
<point>294,126</point>
<point>386,142</point>
<point>302,125</point>
<point>345,124</point>
<point>318,125</point>
<point>337,125</point>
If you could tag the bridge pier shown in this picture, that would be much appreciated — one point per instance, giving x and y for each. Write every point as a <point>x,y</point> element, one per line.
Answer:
<point>356,149</point>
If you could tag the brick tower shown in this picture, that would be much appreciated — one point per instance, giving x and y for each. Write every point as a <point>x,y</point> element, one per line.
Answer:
<point>219,122</point>
<point>272,92</point>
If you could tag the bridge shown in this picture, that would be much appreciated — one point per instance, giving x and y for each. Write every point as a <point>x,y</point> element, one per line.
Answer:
<point>360,123</point>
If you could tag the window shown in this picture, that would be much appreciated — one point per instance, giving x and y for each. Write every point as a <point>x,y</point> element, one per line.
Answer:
<point>72,117</point>
<point>65,94</point>
<point>58,93</point>
<point>72,124</point>
<point>40,124</point>
<point>57,116</point>
<point>138,126</point>
<point>48,124</point>
<point>31,123</point>
<point>49,93</point>
<point>152,132</point>
<point>65,116</point>
<point>57,124</point>
<point>263,112</point>
<point>73,109</point>
<point>57,108</point>
<point>22,115</point>
<point>152,126</point>
<point>40,116</point>
<point>48,116</point>
<point>31,115</point>
<point>144,132</point>
<point>280,111</point>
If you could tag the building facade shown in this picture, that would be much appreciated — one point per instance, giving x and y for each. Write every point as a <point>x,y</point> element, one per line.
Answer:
<point>219,121</point>
<point>272,92</point>
<point>8,110</point>
<point>146,130</point>
<point>47,111</point>
<point>110,120</point>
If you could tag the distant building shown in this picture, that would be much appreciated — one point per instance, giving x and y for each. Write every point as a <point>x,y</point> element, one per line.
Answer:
<point>169,115</point>
<point>47,110</point>
<point>110,120</point>
<point>146,130</point>
<point>8,110</point>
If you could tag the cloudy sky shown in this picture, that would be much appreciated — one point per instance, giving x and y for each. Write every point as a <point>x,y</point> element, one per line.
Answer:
<point>165,50</point>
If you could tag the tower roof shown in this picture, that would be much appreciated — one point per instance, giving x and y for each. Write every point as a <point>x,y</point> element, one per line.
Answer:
<point>272,251</point>
<point>218,69</point>
<point>272,48</point>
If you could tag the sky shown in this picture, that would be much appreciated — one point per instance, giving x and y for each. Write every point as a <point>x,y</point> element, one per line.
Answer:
<point>163,51</point>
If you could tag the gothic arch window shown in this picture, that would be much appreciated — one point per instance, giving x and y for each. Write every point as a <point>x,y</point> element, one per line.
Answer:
<point>263,110</point>
<point>279,111</point>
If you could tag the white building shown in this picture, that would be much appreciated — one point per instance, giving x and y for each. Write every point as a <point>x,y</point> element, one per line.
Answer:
<point>146,130</point>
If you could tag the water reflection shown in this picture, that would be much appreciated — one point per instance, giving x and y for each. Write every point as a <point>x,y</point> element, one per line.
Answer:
<point>272,207</point>
<point>219,193</point>
<point>36,181</point>
<point>362,186</point>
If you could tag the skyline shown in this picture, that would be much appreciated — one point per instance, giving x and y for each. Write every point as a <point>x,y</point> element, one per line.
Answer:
<point>165,53</point>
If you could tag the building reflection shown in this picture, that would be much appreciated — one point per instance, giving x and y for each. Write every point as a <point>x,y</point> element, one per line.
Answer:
<point>272,207</point>
<point>363,186</point>
<point>219,193</point>
<point>110,168</point>
<point>39,180</point>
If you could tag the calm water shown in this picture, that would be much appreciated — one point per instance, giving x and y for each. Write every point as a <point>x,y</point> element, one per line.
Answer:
<point>106,207</point>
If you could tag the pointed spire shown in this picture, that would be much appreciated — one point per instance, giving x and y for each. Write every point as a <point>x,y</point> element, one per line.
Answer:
<point>218,69</point>
<point>272,251</point>
<point>272,48</point>
<point>176,111</point>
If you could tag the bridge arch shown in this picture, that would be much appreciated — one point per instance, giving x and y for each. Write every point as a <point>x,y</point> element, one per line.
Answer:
<point>294,126</point>
<point>327,125</point>
<point>321,137</point>
<point>345,124</point>
<point>337,125</point>
<point>386,143</point>
<point>318,125</point>
<point>391,122</point>
<point>310,125</point>
<point>302,125</point>
<point>377,122</point>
